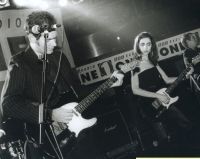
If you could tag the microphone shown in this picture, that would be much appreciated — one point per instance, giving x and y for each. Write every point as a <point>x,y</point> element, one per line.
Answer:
<point>55,26</point>
<point>36,29</point>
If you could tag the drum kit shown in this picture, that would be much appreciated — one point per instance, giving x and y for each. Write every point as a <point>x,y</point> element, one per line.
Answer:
<point>12,150</point>
<point>16,141</point>
<point>11,144</point>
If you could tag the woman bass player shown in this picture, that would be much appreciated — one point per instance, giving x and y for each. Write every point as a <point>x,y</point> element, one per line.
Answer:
<point>149,80</point>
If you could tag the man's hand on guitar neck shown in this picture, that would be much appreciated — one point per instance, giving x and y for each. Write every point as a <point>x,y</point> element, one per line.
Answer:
<point>120,78</point>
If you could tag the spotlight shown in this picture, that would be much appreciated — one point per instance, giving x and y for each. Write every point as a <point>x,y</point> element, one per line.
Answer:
<point>21,3</point>
<point>77,1</point>
<point>62,3</point>
<point>32,4</point>
<point>44,5</point>
<point>3,2</point>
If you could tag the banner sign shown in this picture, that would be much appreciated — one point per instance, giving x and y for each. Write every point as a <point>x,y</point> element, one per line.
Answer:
<point>103,69</point>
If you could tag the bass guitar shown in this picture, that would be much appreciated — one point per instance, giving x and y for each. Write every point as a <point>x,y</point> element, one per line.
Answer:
<point>160,106</point>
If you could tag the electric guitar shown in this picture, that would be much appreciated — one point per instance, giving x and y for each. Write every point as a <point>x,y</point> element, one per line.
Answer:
<point>61,137</point>
<point>78,123</point>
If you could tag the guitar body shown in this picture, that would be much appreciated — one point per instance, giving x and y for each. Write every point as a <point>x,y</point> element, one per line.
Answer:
<point>160,106</point>
<point>77,124</point>
<point>171,101</point>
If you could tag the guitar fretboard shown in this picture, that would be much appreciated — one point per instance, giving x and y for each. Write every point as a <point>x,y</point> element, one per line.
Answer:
<point>95,94</point>
<point>177,81</point>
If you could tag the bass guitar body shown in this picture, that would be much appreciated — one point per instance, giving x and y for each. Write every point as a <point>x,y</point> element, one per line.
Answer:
<point>171,99</point>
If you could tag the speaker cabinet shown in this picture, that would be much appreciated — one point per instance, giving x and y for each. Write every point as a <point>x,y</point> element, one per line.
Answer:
<point>112,134</point>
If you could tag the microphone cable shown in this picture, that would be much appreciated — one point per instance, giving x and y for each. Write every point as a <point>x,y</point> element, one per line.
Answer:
<point>59,66</point>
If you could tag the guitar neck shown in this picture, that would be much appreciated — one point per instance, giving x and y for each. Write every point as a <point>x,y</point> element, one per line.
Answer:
<point>102,88</point>
<point>95,94</point>
<point>177,81</point>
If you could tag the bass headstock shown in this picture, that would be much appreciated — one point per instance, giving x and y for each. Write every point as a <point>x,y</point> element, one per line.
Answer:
<point>129,66</point>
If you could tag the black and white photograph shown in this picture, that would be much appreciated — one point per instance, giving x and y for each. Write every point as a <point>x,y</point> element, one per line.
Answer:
<point>99,79</point>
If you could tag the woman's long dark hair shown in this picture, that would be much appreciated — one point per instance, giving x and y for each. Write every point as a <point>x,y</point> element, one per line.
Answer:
<point>153,55</point>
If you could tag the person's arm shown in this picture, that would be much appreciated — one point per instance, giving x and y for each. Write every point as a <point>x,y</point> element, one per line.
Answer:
<point>168,80</point>
<point>186,61</point>
<point>144,93</point>
<point>14,102</point>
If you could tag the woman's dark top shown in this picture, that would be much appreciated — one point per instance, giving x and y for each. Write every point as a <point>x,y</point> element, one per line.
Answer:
<point>149,80</point>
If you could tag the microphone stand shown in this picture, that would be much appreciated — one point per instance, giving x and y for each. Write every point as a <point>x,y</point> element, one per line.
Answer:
<point>43,121</point>
<point>43,104</point>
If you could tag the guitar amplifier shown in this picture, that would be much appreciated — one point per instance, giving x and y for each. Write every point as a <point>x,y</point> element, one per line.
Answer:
<point>112,135</point>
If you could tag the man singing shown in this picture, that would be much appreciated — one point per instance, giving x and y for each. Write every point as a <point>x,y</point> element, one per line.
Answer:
<point>21,94</point>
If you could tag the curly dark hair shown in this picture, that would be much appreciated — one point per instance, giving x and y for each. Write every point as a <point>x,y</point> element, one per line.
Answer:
<point>153,55</point>
<point>39,18</point>
<point>189,36</point>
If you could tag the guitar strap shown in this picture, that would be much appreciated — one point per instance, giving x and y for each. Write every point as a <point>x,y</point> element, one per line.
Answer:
<point>55,79</point>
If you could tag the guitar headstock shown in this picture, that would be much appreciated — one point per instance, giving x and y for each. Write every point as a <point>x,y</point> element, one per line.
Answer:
<point>129,66</point>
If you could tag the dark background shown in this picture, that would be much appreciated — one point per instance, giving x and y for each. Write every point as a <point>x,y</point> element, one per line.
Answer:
<point>93,28</point>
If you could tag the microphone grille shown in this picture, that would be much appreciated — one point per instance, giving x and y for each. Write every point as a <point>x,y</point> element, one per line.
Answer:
<point>36,29</point>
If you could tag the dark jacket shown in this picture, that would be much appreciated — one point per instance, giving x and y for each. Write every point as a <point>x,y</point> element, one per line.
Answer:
<point>21,94</point>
